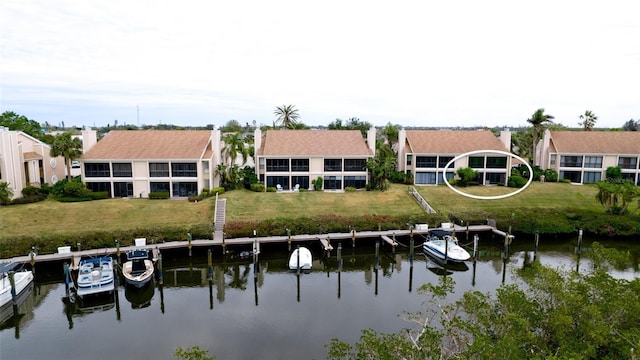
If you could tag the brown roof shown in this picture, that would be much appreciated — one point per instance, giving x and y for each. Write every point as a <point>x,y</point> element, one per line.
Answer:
<point>452,141</point>
<point>31,155</point>
<point>596,142</point>
<point>314,143</point>
<point>150,144</point>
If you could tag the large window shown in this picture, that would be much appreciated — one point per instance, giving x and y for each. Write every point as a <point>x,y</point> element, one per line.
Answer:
<point>96,170</point>
<point>425,178</point>
<point>476,162</point>
<point>573,176</point>
<point>628,162</point>
<point>592,176</point>
<point>99,187</point>
<point>123,189</point>
<point>495,178</point>
<point>277,164</point>
<point>496,162</point>
<point>357,182</point>
<point>443,161</point>
<point>184,170</point>
<point>121,170</point>
<point>159,187</point>
<point>158,169</point>
<point>552,159</point>
<point>409,157</point>
<point>571,161</point>
<point>425,161</point>
<point>184,189</point>
<point>333,183</point>
<point>332,165</point>
<point>354,164</point>
<point>302,181</point>
<point>299,164</point>
<point>450,175</point>
<point>274,181</point>
<point>593,162</point>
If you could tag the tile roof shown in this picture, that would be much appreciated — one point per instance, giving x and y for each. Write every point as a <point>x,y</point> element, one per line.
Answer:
<point>596,142</point>
<point>150,144</point>
<point>31,155</point>
<point>314,143</point>
<point>452,141</point>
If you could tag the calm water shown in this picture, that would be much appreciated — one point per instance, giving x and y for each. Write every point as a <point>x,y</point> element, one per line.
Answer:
<point>246,314</point>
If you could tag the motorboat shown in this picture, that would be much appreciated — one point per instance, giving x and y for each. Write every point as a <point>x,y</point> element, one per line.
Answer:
<point>300,259</point>
<point>443,245</point>
<point>95,277</point>
<point>22,279</point>
<point>138,269</point>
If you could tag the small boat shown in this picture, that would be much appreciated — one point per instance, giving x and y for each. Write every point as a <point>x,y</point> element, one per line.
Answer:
<point>95,277</point>
<point>300,259</point>
<point>21,281</point>
<point>138,269</point>
<point>443,245</point>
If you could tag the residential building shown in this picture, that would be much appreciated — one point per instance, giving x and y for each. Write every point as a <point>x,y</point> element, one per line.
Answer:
<point>25,161</point>
<point>286,158</point>
<point>584,156</point>
<point>132,163</point>
<point>426,153</point>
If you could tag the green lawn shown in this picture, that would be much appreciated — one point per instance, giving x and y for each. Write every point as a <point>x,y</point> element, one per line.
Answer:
<point>50,217</point>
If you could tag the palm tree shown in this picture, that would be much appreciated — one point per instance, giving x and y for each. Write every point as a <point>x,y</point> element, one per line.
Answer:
<point>381,166</point>
<point>287,116</point>
<point>5,193</point>
<point>588,120</point>
<point>68,147</point>
<point>538,120</point>
<point>234,146</point>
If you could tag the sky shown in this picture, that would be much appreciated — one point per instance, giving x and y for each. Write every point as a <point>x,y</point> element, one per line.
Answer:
<point>412,63</point>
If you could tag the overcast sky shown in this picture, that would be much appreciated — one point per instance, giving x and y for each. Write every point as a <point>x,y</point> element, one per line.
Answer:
<point>413,63</point>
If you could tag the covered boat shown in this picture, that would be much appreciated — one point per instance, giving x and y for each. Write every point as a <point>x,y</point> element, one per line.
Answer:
<point>95,277</point>
<point>300,259</point>
<point>22,279</point>
<point>138,269</point>
<point>443,245</point>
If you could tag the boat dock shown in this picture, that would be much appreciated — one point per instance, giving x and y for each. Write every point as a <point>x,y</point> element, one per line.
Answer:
<point>326,240</point>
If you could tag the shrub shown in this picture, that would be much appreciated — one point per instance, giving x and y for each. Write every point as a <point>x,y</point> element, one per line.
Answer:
<point>350,188</point>
<point>75,189</point>
<point>550,175</point>
<point>516,181</point>
<point>66,199</point>
<point>159,195</point>
<point>257,187</point>
<point>466,176</point>
<point>205,192</point>
<point>271,189</point>
<point>30,191</point>
<point>218,189</point>
<point>29,199</point>
<point>195,198</point>
<point>317,183</point>
<point>303,190</point>
<point>99,195</point>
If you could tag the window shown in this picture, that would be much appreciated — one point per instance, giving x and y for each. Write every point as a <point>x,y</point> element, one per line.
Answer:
<point>121,170</point>
<point>592,176</point>
<point>332,165</point>
<point>476,162</point>
<point>261,163</point>
<point>444,160</point>
<point>299,164</point>
<point>332,182</point>
<point>629,176</point>
<point>184,189</point>
<point>571,161</point>
<point>425,161</point>
<point>123,189</point>
<point>184,170</point>
<point>354,164</point>
<point>425,178</point>
<point>303,181</point>
<point>277,164</point>
<point>628,162</point>
<point>273,181</point>
<point>593,162</point>
<point>99,187</point>
<point>205,167</point>
<point>496,162</point>
<point>96,170</point>
<point>409,157</point>
<point>450,175</point>
<point>159,187</point>
<point>552,159</point>
<point>573,176</point>
<point>495,178</point>
<point>158,169</point>
<point>357,182</point>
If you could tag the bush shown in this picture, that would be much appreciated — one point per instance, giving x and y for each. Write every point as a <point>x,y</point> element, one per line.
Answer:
<point>75,189</point>
<point>516,181</point>
<point>317,183</point>
<point>29,199</point>
<point>159,195</point>
<point>195,198</point>
<point>218,189</point>
<point>99,195</point>
<point>30,191</point>
<point>466,176</point>
<point>271,189</point>
<point>350,188</point>
<point>205,192</point>
<point>257,187</point>
<point>550,175</point>
<point>66,199</point>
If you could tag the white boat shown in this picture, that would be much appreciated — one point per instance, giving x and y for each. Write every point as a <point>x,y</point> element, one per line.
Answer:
<point>138,269</point>
<point>21,280</point>
<point>300,259</point>
<point>95,277</point>
<point>443,245</point>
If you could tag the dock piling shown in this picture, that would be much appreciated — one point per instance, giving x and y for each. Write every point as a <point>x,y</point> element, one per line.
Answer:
<point>12,282</point>
<point>160,280</point>
<point>475,247</point>
<point>377,253</point>
<point>580,242</point>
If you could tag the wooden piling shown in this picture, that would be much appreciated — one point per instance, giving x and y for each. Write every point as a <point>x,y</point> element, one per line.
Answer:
<point>210,264</point>
<point>189,242</point>
<point>298,264</point>
<point>67,276</point>
<point>411,249</point>
<point>32,255</point>
<point>536,242</point>
<point>12,282</point>
<point>339,257</point>
<point>159,265</point>
<point>580,242</point>
<point>475,247</point>
<point>377,253</point>
<point>353,237</point>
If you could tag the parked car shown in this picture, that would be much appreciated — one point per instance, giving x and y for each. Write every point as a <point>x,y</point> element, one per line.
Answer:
<point>75,164</point>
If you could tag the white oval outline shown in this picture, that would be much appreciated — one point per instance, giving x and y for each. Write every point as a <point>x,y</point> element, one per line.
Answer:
<point>444,174</point>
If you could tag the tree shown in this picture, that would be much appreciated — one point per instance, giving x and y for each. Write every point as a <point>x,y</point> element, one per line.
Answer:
<point>466,176</point>
<point>232,126</point>
<point>68,147</point>
<point>287,116</point>
<point>15,122</point>
<point>192,353</point>
<point>352,123</point>
<point>631,125</point>
<point>381,166</point>
<point>538,120</point>
<point>556,314</point>
<point>390,132</point>
<point>589,120</point>
<point>233,146</point>
<point>5,193</point>
<point>616,197</point>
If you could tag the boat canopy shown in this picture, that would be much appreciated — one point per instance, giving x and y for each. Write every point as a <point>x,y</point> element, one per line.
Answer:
<point>440,232</point>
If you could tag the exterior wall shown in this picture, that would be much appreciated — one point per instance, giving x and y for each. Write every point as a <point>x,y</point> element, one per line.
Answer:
<point>422,174</point>
<point>585,174</point>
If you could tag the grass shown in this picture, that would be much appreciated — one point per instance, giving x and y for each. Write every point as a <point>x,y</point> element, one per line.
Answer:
<point>50,217</point>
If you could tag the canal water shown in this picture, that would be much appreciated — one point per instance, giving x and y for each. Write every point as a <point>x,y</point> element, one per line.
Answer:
<point>259,312</point>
